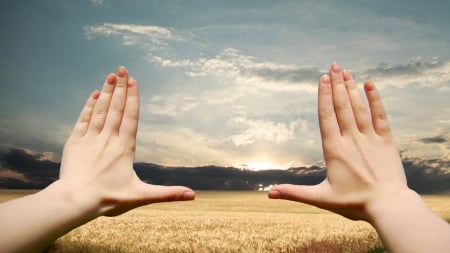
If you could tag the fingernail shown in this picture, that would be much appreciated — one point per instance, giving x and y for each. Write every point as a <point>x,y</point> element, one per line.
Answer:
<point>369,86</point>
<point>188,195</point>
<point>336,68</point>
<point>121,71</point>
<point>131,82</point>
<point>95,94</point>
<point>111,79</point>
<point>274,194</point>
<point>325,78</point>
<point>347,75</point>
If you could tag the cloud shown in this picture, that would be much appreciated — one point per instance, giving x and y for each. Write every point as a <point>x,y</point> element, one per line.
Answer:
<point>276,83</point>
<point>9,174</point>
<point>225,178</point>
<point>232,64</point>
<point>436,139</point>
<point>31,132</point>
<point>228,64</point>
<point>251,130</point>
<point>22,168</point>
<point>429,147</point>
<point>172,106</point>
<point>25,169</point>
<point>226,101</point>
<point>152,38</point>
<point>100,2</point>
<point>428,176</point>
<point>179,145</point>
<point>225,95</point>
<point>432,72</point>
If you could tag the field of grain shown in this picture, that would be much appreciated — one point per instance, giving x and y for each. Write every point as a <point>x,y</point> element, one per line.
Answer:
<point>226,222</point>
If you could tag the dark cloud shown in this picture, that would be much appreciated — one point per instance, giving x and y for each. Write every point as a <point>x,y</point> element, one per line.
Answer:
<point>297,75</point>
<point>225,178</point>
<point>424,176</point>
<point>413,68</point>
<point>428,176</point>
<point>436,139</point>
<point>38,171</point>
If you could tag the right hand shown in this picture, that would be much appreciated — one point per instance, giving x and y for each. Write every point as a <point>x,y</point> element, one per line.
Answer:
<point>363,164</point>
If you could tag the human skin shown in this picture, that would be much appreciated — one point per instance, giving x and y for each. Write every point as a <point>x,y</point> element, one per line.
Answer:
<point>365,177</point>
<point>96,175</point>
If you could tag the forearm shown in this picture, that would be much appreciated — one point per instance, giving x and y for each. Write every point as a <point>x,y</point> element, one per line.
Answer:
<point>31,223</point>
<point>406,224</point>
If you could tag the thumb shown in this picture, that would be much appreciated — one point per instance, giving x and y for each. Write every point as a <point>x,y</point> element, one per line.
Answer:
<point>159,193</point>
<point>308,194</point>
<point>144,194</point>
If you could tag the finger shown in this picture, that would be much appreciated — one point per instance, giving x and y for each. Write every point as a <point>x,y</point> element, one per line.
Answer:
<point>308,194</point>
<point>130,119</point>
<point>84,119</point>
<point>146,194</point>
<point>341,101</point>
<point>102,105</point>
<point>157,193</point>
<point>360,111</point>
<point>118,100</point>
<point>379,118</point>
<point>329,127</point>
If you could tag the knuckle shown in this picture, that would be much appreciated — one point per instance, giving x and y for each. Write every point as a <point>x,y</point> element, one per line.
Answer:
<point>383,126</point>
<point>361,109</point>
<point>381,116</point>
<point>132,115</point>
<point>341,104</point>
<point>101,113</point>
<point>326,112</point>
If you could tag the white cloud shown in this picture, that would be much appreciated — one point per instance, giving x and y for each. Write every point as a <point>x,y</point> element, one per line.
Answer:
<point>150,37</point>
<point>173,105</point>
<point>171,145</point>
<point>241,104</point>
<point>223,96</point>
<point>171,63</point>
<point>231,64</point>
<point>251,130</point>
<point>228,65</point>
<point>99,2</point>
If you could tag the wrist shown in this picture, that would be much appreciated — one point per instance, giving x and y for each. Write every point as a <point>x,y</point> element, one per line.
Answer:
<point>56,210</point>
<point>406,224</point>
<point>84,203</point>
<point>391,202</point>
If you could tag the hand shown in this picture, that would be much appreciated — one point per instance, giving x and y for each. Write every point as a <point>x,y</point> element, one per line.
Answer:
<point>98,157</point>
<point>363,163</point>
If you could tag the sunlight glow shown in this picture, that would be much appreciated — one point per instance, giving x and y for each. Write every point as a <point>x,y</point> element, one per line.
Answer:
<point>263,188</point>
<point>260,165</point>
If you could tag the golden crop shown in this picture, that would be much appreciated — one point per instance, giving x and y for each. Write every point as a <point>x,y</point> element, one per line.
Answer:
<point>227,222</point>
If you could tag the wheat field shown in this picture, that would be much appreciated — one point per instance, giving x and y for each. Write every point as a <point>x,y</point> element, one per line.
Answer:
<point>226,222</point>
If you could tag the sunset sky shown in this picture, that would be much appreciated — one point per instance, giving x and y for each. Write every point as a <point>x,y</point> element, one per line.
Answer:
<point>223,82</point>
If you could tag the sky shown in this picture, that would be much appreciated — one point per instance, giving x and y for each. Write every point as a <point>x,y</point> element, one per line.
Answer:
<point>228,83</point>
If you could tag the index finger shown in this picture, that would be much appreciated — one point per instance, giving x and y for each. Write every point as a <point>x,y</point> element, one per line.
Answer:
<point>329,127</point>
